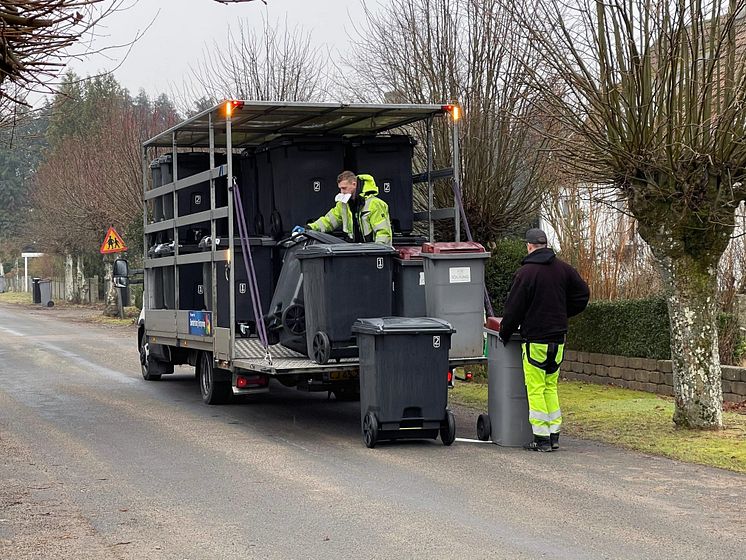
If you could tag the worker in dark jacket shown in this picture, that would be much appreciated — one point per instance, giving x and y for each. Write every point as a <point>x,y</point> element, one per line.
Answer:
<point>545,291</point>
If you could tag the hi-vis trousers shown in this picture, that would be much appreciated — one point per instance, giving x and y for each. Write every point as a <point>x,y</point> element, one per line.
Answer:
<point>541,373</point>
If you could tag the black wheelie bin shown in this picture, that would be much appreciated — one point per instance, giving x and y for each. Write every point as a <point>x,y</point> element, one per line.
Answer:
<point>286,318</point>
<point>343,282</point>
<point>404,379</point>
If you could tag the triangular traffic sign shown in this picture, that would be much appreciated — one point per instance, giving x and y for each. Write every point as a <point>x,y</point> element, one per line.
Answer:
<point>113,243</point>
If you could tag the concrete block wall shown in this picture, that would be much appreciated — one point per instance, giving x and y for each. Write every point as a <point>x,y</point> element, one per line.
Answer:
<point>641,374</point>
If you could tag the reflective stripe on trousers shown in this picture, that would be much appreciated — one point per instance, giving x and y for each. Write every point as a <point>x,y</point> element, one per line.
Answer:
<point>544,413</point>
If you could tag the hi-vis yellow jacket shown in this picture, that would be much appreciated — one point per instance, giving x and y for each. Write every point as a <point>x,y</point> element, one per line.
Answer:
<point>373,216</point>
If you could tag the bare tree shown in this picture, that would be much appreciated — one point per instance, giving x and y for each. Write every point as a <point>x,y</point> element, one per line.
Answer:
<point>651,96</point>
<point>36,39</point>
<point>274,63</point>
<point>458,50</point>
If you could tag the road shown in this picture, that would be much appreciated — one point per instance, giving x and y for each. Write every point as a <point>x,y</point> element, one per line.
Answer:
<point>97,463</point>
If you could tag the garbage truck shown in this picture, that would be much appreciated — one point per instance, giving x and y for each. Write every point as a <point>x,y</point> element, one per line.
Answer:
<point>222,193</point>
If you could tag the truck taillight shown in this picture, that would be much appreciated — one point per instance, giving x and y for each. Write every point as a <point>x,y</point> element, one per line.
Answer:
<point>250,381</point>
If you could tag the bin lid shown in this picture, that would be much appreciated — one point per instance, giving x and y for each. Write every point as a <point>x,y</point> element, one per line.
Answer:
<point>393,139</point>
<point>402,325</point>
<point>409,253</point>
<point>284,141</point>
<point>155,163</point>
<point>493,323</point>
<point>345,250</point>
<point>453,247</point>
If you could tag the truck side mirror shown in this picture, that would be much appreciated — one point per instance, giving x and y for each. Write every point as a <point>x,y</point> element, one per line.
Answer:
<point>121,273</point>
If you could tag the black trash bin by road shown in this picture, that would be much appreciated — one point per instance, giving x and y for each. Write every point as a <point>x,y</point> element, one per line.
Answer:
<point>35,290</point>
<point>404,379</point>
<point>286,318</point>
<point>341,283</point>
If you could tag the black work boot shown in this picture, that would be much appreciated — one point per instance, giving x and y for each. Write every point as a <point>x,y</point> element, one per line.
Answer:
<point>540,443</point>
<point>554,440</point>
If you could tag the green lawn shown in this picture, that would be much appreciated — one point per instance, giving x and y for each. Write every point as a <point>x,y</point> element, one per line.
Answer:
<point>635,420</point>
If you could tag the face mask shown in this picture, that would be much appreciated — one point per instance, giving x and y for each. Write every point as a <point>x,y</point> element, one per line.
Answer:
<point>343,198</point>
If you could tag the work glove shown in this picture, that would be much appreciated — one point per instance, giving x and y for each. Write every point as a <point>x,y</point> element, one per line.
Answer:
<point>298,230</point>
<point>503,340</point>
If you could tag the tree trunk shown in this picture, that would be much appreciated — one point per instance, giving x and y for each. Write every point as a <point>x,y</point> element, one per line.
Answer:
<point>69,279</point>
<point>80,281</point>
<point>110,306</point>
<point>693,310</point>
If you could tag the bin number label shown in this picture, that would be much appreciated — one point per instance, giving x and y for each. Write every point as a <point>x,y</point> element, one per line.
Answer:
<point>387,186</point>
<point>197,199</point>
<point>317,186</point>
<point>459,274</point>
<point>200,289</point>
<point>379,263</point>
<point>436,341</point>
<point>422,278</point>
<point>242,287</point>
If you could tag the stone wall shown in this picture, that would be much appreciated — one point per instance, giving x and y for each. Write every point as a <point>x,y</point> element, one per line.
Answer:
<point>641,374</point>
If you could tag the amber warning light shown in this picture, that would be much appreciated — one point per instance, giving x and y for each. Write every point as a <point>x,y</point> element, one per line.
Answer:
<point>455,111</point>
<point>231,106</point>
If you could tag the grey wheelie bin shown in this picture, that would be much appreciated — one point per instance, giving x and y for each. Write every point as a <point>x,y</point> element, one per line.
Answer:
<point>404,379</point>
<point>506,422</point>
<point>286,318</point>
<point>454,291</point>
<point>45,293</point>
<point>341,283</point>
<point>409,283</point>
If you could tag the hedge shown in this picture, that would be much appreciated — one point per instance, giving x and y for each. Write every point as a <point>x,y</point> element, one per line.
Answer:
<point>636,328</point>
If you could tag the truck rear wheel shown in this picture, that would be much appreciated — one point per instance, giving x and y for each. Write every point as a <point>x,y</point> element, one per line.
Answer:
<point>214,391</point>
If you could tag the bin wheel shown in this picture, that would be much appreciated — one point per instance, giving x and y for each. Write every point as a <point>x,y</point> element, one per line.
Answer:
<point>484,427</point>
<point>275,224</point>
<point>50,303</point>
<point>294,319</point>
<point>370,430</point>
<point>322,348</point>
<point>448,429</point>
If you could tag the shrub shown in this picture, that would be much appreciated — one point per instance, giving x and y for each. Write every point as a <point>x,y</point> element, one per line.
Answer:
<point>635,328</point>
<point>506,258</point>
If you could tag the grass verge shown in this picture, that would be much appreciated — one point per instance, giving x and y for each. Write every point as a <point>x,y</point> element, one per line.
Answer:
<point>15,297</point>
<point>634,420</point>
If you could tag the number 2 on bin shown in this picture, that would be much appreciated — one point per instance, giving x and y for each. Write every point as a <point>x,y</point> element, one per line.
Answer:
<point>436,342</point>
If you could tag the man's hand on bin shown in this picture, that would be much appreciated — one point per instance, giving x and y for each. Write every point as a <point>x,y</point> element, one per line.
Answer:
<point>503,340</point>
<point>297,230</point>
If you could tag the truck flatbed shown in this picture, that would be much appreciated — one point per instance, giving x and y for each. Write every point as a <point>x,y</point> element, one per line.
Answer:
<point>250,356</point>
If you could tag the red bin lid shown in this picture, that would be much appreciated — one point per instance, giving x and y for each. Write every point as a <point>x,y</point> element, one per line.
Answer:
<point>453,247</point>
<point>409,253</point>
<point>493,323</point>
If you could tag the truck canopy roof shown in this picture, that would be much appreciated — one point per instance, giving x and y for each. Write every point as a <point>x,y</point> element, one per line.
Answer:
<point>256,122</point>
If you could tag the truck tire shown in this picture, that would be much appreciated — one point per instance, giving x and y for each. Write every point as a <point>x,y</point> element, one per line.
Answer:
<point>152,369</point>
<point>212,390</point>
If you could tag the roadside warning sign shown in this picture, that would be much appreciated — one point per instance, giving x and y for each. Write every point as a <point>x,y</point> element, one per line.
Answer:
<point>113,243</point>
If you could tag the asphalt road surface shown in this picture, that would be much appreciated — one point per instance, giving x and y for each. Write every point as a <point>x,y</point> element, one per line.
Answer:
<point>96,463</point>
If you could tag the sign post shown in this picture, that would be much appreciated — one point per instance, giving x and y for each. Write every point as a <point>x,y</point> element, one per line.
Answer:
<point>113,243</point>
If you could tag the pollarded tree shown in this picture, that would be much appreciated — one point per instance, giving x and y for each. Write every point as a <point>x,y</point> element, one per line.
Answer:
<point>651,96</point>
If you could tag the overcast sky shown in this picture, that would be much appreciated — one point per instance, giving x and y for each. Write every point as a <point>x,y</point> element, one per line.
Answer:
<point>181,30</point>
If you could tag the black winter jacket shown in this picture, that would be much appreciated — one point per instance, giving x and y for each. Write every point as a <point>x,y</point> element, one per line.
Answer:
<point>545,291</point>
